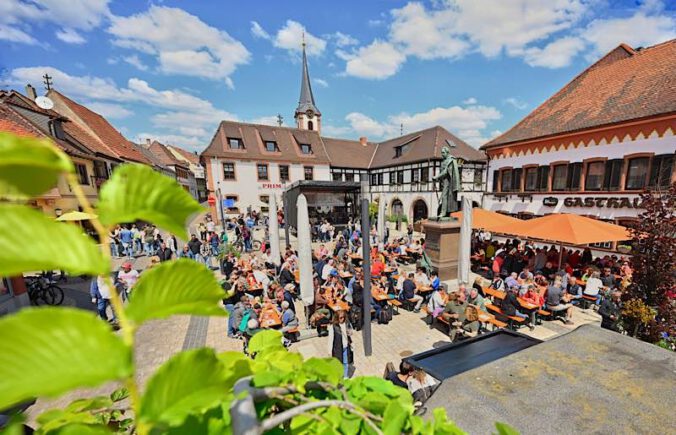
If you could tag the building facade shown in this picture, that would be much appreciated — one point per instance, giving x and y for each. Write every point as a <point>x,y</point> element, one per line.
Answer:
<point>246,163</point>
<point>594,146</point>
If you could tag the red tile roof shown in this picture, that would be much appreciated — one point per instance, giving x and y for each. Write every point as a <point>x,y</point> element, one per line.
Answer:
<point>345,153</point>
<point>626,84</point>
<point>89,141</point>
<point>112,138</point>
<point>191,157</point>
<point>164,156</point>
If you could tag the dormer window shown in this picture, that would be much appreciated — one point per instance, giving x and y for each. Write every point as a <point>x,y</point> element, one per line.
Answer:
<point>400,150</point>
<point>235,143</point>
<point>271,146</point>
<point>306,148</point>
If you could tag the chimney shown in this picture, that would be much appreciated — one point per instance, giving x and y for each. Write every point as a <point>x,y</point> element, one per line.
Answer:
<point>148,142</point>
<point>30,92</point>
<point>363,140</point>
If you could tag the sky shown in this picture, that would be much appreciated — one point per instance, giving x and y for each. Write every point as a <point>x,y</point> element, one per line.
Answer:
<point>171,70</point>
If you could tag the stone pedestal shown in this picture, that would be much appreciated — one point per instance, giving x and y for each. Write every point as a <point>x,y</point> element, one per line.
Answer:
<point>441,246</point>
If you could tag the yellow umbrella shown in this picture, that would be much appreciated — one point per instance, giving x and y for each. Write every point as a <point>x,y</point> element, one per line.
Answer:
<point>76,216</point>
<point>487,220</point>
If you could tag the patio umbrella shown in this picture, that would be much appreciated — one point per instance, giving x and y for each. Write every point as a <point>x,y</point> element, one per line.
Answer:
<point>567,228</point>
<point>488,220</point>
<point>76,216</point>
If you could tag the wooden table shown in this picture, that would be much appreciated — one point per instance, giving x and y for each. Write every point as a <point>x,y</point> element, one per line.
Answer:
<point>338,305</point>
<point>270,317</point>
<point>345,275</point>
<point>379,295</point>
<point>494,293</point>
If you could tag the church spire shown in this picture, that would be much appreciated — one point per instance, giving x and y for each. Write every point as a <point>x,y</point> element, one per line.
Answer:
<point>306,103</point>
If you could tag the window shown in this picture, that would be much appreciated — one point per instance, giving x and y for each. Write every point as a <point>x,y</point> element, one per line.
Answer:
<point>424,175</point>
<point>310,125</point>
<point>262,170</point>
<point>306,148</point>
<point>284,173</point>
<point>271,146</point>
<point>516,180</point>
<point>235,143</point>
<point>531,181</point>
<point>374,179</point>
<point>506,180</point>
<point>393,178</point>
<point>265,199</point>
<point>660,172</point>
<point>309,173</point>
<point>637,173</point>
<point>543,178</point>
<point>496,178</point>
<point>349,176</point>
<point>82,175</point>
<point>415,176</point>
<point>400,150</point>
<point>593,180</point>
<point>559,177</point>
<point>400,177</point>
<point>100,170</point>
<point>228,171</point>
<point>574,174</point>
<point>613,174</point>
<point>478,178</point>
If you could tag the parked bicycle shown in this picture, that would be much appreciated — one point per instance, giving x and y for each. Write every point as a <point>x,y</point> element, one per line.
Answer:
<point>42,290</point>
<point>239,245</point>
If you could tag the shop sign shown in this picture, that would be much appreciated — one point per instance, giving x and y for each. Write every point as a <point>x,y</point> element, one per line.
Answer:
<point>602,202</point>
<point>550,201</point>
<point>272,186</point>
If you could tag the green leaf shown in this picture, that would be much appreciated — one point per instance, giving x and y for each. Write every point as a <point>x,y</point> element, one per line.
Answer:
<point>395,417</point>
<point>323,370</point>
<point>53,420</point>
<point>81,429</point>
<point>29,166</point>
<point>266,341</point>
<point>137,192</point>
<point>32,241</point>
<point>89,404</point>
<point>119,395</point>
<point>442,425</point>
<point>189,382</point>
<point>175,287</point>
<point>47,351</point>
<point>236,366</point>
<point>505,429</point>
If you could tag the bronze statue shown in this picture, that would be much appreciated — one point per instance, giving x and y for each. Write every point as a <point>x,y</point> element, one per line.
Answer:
<point>449,176</point>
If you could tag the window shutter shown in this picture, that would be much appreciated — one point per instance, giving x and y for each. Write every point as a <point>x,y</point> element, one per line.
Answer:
<point>611,177</point>
<point>574,174</point>
<point>543,178</point>
<point>516,180</point>
<point>496,179</point>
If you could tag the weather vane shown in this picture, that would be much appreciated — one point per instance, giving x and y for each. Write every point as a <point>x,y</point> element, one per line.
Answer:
<point>280,119</point>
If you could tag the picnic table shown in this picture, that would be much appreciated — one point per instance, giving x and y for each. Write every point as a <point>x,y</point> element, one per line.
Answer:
<point>344,274</point>
<point>270,317</point>
<point>338,305</point>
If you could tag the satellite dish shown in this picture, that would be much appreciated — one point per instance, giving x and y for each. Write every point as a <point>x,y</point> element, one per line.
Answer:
<point>44,103</point>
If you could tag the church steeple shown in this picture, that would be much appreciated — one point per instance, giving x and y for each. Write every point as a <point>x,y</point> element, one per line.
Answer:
<point>307,116</point>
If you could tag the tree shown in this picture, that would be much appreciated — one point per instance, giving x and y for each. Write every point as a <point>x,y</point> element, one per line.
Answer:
<point>653,277</point>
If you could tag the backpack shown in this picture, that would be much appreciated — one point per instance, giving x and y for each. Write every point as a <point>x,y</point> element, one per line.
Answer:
<point>382,317</point>
<point>245,321</point>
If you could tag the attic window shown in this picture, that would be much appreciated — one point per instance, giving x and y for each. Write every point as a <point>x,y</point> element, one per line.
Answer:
<point>271,146</point>
<point>235,143</point>
<point>306,148</point>
<point>401,149</point>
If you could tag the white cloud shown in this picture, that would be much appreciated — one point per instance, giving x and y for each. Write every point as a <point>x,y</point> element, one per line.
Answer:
<point>515,102</point>
<point>469,123</point>
<point>556,54</point>
<point>16,16</point>
<point>110,110</point>
<point>379,60</point>
<point>258,32</point>
<point>290,37</point>
<point>322,83</point>
<point>70,36</point>
<point>188,142</point>
<point>135,61</point>
<point>470,101</point>
<point>343,40</point>
<point>182,43</point>
<point>265,120</point>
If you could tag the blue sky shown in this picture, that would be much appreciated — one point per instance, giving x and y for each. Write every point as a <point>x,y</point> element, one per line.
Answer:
<point>171,70</point>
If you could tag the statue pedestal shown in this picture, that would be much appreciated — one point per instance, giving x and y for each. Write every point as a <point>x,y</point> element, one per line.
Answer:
<point>441,246</point>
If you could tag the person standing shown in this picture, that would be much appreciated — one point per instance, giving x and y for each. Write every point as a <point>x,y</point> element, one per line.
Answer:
<point>127,278</point>
<point>610,311</point>
<point>148,240</point>
<point>164,253</point>
<point>127,240</point>
<point>112,240</point>
<point>202,229</point>
<point>340,341</point>
<point>100,294</point>
<point>194,245</point>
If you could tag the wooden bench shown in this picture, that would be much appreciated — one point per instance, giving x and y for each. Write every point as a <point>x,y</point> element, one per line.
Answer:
<point>513,321</point>
<point>586,300</point>
<point>293,334</point>
<point>543,314</point>
<point>396,304</point>
<point>496,323</point>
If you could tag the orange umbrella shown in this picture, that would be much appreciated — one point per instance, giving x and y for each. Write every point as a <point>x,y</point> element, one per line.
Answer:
<point>567,228</point>
<point>488,220</point>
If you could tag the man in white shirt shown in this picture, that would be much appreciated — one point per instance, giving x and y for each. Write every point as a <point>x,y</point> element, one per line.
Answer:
<point>211,226</point>
<point>262,278</point>
<point>421,279</point>
<point>127,276</point>
<point>328,268</point>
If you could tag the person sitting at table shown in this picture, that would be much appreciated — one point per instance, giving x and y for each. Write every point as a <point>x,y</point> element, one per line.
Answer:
<point>238,313</point>
<point>593,287</point>
<point>377,268</point>
<point>421,279</point>
<point>386,284</point>
<point>608,279</point>
<point>511,280</point>
<point>476,299</point>
<point>399,378</point>
<point>574,290</point>
<point>289,320</point>
<point>321,251</point>
<point>454,313</point>
<point>319,265</point>
<point>327,270</point>
<point>286,277</point>
<point>510,305</point>
<point>261,277</point>
<point>478,285</point>
<point>409,292</point>
<point>435,282</point>
<point>548,271</point>
<point>288,296</point>
<point>530,295</point>
<point>525,275</point>
<point>321,317</point>
<point>435,306</point>
<point>558,301</point>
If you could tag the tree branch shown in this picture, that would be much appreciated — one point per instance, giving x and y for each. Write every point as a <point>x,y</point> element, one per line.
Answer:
<point>280,418</point>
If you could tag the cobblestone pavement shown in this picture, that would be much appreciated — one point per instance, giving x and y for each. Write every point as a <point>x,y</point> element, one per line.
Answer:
<point>158,340</point>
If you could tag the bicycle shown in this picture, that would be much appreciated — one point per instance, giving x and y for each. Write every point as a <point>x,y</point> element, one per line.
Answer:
<point>239,245</point>
<point>42,290</point>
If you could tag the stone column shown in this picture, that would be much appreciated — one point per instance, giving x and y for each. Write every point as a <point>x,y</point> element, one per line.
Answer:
<point>274,230</point>
<point>304,238</point>
<point>465,245</point>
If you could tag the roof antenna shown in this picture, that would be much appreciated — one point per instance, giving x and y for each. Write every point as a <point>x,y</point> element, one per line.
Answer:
<point>48,82</point>
<point>401,129</point>
<point>280,119</point>
<point>303,38</point>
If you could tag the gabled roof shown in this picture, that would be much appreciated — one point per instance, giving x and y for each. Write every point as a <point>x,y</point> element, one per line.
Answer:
<point>93,143</point>
<point>154,160</point>
<point>253,135</point>
<point>164,156</point>
<point>192,158</point>
<point>98,126</point>
<point>345,153</point>
<point>423,145</point>
<point>626,84</point>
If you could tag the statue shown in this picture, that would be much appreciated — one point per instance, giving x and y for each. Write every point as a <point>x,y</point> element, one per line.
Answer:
<point>449,176</point>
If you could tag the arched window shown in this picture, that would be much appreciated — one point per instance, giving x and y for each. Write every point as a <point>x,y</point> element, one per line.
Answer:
<point>397,207</point>
<point>310,125</point>
<point>419,210</point>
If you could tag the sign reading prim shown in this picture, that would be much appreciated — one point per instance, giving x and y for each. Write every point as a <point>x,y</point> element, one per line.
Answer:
<point>601,202</point>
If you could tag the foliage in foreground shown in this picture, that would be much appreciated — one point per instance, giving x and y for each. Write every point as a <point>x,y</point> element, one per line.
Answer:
<point>45,352</point>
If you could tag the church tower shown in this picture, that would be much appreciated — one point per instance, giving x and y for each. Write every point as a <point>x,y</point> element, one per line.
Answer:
<point>307,115</point>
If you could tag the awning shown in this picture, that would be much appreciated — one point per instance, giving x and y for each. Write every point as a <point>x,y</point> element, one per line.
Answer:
<point>488,220</point>
<point>76,216</point>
